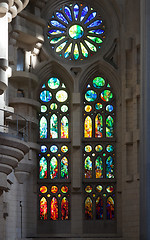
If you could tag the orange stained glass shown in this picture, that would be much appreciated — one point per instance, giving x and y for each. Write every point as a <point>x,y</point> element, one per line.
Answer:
<point>64,189</point>
<point>88,208</point>
<point>64,209</point>
<point>54,189</point>
<point>64,127</point>
<point>98,126</point>
<point>43,209</point>
<point>54,209</point>
<point>88,127</point>
<point>43,189</point>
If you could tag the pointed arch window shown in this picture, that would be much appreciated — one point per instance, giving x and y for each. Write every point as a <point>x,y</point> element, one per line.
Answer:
<point>54,157</point>
<point>99,150</point>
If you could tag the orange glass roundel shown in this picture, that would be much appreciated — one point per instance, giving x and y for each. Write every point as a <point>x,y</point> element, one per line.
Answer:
<point>54,189</point>
<point>43,189</point>
<point>64,189</point>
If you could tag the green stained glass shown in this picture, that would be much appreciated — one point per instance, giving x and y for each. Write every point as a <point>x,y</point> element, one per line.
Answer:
<point>68,50</point>
<point>53,106</point>
<point>108,85</point>
<point>109,167</point>
<point>53,83</point>
<point>90,95</point>
<point>43,168</point>
<point>98,148</point>
<point>95,39</point>
<point>106,95</point>
<point>88,209</point>
<point>84,50</point>
<point>88,189</point>
<point>88,108</point>
<point>99,188</point>
<point>61,96</point>
<point>99,167</point>
<point>64,108</point>
<point>61,46</point>
<point>43,127</point>
<point>109,127</point>
<point>97,31</point>
<point>98,82</point>
<point>76,31</point>
<point>56,40</point>
<point>43,108</point>
<point>53,168</point>
<point>76,52</point>
<point>64,149</point>
<point>110,189</point>
<point>45,96</point>
<point>88,148</point>
<point>53,148</point>
<point>98,126</point>
<point>88,167</point>
<point>54,126</point>
<point>109,148</point>
<point>98,106</point>
<point>91,46</point>
<point>64,168</point>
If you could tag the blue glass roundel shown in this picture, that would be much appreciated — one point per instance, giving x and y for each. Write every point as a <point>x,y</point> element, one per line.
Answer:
<point>76,31</point>
<point>45,96</point>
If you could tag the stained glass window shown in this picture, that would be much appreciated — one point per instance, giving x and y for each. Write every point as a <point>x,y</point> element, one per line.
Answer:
<point>75,22</point>
<point>99,148</point>
<point>54,157</point>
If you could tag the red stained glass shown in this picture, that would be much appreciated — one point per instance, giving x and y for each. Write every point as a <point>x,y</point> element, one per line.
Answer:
<point>99,208</point>
<point>64,209</point>
<point>110,208</point>
<point>54,209</point>
<point>43,209</point>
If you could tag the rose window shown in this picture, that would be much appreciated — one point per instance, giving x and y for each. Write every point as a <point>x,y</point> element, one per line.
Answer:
<point>76,32</point>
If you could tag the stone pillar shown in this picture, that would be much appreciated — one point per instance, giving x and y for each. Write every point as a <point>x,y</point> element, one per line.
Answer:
<point>145,121</point>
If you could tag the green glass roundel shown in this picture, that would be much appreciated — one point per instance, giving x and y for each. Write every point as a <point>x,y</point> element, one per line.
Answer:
<point>98,82</point>
<point>106,95</point>
<point>76,31</point>
<point>98,106</point>
<point>53,83</point>
<point>64,108</point>
<point>61,96</point>
<point>90,96</point>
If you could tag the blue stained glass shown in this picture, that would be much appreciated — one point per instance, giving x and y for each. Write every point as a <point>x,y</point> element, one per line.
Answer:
<point>95,23</point>
<point>109,108</point>
<point>57,24</point>
<point>43,149</point>
<point>84,12</point>
<point>45,96</point>
<point>92,15</point>
<point>97,31</point>
<point>76,11</point>
<point>53,32</point>
<point>109,167</point>
<point>61,17</point>
<point>53,148</point>
<point>68,13</point>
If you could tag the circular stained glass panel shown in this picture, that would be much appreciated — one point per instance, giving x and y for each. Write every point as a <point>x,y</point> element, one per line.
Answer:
<point>53,148</point>
<point>53,106</point>
<point>43,148</point>
<point>99,188</point>
<point>54,189</point>
<point>45,96</point>
<point>98,148</point>
<point>64,149</point>
<point>88,108</point>
<point>98,106</point>
<point>43,189</point>
<point>110,189</point>
<point>98,82</point>
<point>53,83</point>
<point>109,108</point>
<point>61,96</point>
<point>110,148</point>
<point>43,108</point>
<point>88,189</point>
<point>76,31</point>
<point>106,95</point>
<point>64,108</point>
<point>88,148</point>
<point>64,189</point>
<point>90,95</point>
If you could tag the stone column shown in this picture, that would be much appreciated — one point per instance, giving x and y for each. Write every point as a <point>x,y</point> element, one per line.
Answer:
<point>145,122</point>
